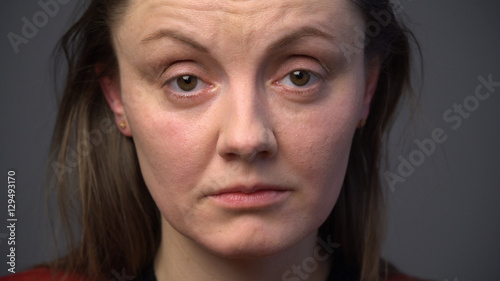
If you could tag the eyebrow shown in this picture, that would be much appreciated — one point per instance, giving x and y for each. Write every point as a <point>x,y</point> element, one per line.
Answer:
<point>176,36</point>
<point>297,35</point>
<point>280,44</point>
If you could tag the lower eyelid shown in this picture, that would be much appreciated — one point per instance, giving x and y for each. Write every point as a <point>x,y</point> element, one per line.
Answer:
<point>206,89</point>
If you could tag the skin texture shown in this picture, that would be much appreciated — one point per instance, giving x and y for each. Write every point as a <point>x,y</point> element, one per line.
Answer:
<point>245,124</point>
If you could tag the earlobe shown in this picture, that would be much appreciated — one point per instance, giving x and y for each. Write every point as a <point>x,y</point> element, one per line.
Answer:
<point>111,90</point>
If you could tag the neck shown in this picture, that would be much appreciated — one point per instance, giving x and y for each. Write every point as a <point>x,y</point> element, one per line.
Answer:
<point>180,258</point>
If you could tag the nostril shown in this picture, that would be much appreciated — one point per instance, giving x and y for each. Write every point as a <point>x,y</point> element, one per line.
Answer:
<point>247,154</point>
<point>249,151</point>
<point>246,137</point>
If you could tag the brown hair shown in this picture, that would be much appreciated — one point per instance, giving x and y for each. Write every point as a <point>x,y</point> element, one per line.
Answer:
<point>358,219</point>
<point>109,218</point>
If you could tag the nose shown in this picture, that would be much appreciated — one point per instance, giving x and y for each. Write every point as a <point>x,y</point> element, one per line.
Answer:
<point>246,132</point>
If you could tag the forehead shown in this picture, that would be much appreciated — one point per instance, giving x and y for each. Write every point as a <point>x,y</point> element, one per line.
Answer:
<point>237,16</point>
<point>239,8</point>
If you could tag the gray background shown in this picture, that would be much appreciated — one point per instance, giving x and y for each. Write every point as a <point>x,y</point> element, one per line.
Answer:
<point>443,220</point>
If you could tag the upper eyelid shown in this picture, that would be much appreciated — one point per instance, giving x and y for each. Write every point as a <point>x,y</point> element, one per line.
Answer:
<point>319,76</point>
<point>324,63</point>
<point>180,75</point>
<point>285,67</point>
<point>185,94</point>
<point>320,80</point>
<point>305,69</point>
<point>197,65</point>
<point>187,72</point>
<point>304,62</point>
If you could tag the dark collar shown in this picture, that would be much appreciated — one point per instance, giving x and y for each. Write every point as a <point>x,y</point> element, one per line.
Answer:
<point>340,271</point>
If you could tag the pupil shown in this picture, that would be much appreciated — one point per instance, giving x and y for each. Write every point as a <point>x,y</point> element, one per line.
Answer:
<point>187,83</point>
<point>300,77</point>
<point>299,74</point>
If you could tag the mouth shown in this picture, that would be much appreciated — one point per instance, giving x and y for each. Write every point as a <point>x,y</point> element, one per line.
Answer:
<point>243,197</point>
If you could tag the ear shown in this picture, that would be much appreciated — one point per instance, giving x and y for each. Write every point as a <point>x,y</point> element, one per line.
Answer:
<point>110,87</point>
<point>372,74</point>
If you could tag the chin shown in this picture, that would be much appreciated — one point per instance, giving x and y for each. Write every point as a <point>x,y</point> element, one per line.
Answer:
<point>246,234</point>
<point>249,250</point>
<point>248,241</point>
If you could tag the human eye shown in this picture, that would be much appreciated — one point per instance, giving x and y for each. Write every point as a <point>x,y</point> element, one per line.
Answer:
<point>186,86</point>
<point>299,83</point>
<point>300,79</point>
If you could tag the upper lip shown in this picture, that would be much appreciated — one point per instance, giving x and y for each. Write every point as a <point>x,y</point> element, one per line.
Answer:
<point>248,188</point>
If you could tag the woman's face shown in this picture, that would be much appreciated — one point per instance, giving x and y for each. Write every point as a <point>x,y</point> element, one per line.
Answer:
<point>242,114</point>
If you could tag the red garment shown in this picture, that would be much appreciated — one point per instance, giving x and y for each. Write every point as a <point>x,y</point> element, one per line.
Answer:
<point>40,274</point>
<point>44,274</point>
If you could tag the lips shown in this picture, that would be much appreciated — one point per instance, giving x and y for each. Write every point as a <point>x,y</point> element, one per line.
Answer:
<point>241,197</point>
<point>249,189</point>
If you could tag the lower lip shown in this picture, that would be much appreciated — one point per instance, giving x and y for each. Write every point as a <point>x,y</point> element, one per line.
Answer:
<point>257,199</point>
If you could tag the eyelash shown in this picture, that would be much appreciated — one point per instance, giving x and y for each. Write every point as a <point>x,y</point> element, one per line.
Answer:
<point>284,83</point>
<point>310,86</point>
<point>180,93</point>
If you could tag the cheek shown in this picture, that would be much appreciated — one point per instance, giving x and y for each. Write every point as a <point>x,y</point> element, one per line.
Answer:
<point>320,160</point>
<point>164,148</point>
<point>318,149</point>
<point>172,151</point>
<point>172,159</point>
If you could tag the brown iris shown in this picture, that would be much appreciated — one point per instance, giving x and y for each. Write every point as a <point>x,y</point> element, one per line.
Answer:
<point>300,77</point>
<point>187,83</point>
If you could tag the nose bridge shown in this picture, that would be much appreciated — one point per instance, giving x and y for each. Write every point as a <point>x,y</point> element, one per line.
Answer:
<point>246,130</point>
<point>243,107</point>
<point>244,121</point>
